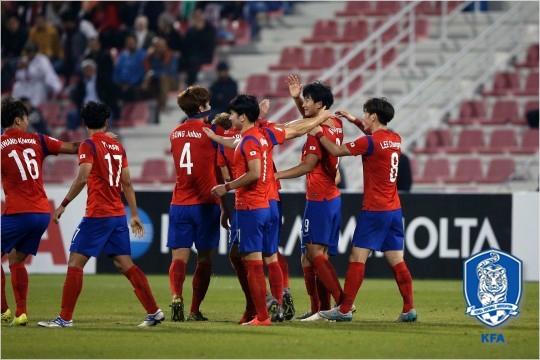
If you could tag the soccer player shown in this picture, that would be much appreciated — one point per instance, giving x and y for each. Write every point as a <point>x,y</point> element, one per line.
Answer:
<point>27,214</point>
<point>379,225</point>
<point>322,216</point>
<point>194,215</point>
<point>103,166</point>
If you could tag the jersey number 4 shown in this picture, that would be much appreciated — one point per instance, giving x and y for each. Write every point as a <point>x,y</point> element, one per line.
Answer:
<point>31,163</point>
<point>185,158</point>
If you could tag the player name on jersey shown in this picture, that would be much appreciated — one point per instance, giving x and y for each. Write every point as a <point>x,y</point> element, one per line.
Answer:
<point>15,141</point>
<point>387,144</point>
<point>186,134</point>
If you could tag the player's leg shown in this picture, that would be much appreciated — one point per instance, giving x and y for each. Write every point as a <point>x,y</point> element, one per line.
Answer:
<point>6,312</point>
<point>19,283</point>
<point>310,281</point>
<point>288,304</point>
<point>207,219</point>
<point>275,278</point>
<point>241,272</point>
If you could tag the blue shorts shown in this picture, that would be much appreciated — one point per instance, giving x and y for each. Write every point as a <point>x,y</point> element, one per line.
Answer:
<point>321,224</point>
<point>253,231</point>
<point>23,232</point>
<point>233,232</point>
<point>379,230</point>
<point>109,235</point>
<point>275,221</point>
<point>194,224</point>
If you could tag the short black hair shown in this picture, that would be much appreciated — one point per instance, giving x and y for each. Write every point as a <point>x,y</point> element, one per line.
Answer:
<point>95,115</point>
<point>12,109</point>
<point>318,91</point>
<point>381,107</point>
<point>245,105</point>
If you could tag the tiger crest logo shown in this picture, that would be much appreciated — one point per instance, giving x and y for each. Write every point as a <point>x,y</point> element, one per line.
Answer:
<point>492,285</point>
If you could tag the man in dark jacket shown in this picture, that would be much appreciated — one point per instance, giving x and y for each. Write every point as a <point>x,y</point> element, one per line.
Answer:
<point>223,90</point>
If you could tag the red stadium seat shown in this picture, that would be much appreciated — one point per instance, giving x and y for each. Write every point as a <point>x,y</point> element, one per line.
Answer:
<point>390,33</point>
<point>436,140</point>
<point>291,58</point>
<point>504,111</point>
<point>320,58</point>
<point>356,61</point>
<point>354,8</point>
<point>500,141</point>
<point>154,170</point>
<point>467,170</point>
<point>499,171</point>
<point>134,113</point>
<point>505,83</point>
<point>531,60</point>
<point>531,85</point>
<point>61,170</point>
<point>529,143</point>
<point>324,30</point>
<point>383,8</point>
<point>469,112</point>
<point>282,88</point>
<point>468,141</point>
<point>354,31</point>
<point>353,86</point>
<point>259,85</point>
<point>387,58</point>
<point>435,170</point>
<point>52,113</point>
<point>428,8</point>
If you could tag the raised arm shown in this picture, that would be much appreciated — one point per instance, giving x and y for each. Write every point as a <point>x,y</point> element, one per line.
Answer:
<point>352,119</point>
<point>295,90</point>
<point>229,142</point>
<point>76,187</point>
<point>299,170</point>
<point>300,127</point>
<point>69,148</point>
<point>333,148</point>
<point>135,222</point>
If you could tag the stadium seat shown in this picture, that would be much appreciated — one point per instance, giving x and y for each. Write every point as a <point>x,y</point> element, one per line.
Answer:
<point>291,58</point>
<point>504,111</point>
<point>387,58</point>
<point>134,113</point>
<point>354,31</point>
<point>499,171</point>
<point>529,143</point>
<point>436,140</point>
<point>435,170</point>
<point>467,171</point>
<point>468,141</point>
<point>354,8</point>
<point>500,141</point>
<point>383,8</point>
<point>60,171</point>
<point>469,112</point>
<point>259,85</point>
<point>52,113</point>
<point>356,61</point>
<point>353,86</point>
<point>320,58</point>
<point>390,33</point>
<point>531,85</point>
<point>281,86</point>
<point>154,170</point>
<point>323,31</point>
<point>428,8</point>
<point>531,60</point>
<point>505,83</point>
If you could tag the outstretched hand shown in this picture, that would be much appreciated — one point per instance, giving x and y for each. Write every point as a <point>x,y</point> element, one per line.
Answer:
<point>137,226</point>
<point>264,106</point>
<point>58,213</point>
<point>347,115</point>
<point>295,85</point>
<point>210,133</point>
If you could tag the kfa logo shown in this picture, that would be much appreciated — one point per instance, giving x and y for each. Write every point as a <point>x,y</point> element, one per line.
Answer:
<point>492,285</point>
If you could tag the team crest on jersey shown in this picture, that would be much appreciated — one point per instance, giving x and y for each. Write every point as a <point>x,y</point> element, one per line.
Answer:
<point>492,283</point>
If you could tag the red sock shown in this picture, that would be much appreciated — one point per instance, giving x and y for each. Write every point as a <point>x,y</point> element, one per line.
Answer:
<point>19,282</point>
<point>142,289</point>
<point>201,280</point>
<point>311,287</point>
<point>177,275</point>
<point>257,287</point>
<point>241,273</point>
<point>284,269</point>
<point>324,296</point>
<point>325,273</point>
<point>404,282</point>
<point>72,288</point>
<point>353,281</point>
<point>275,278</point>
<point>4,299</point>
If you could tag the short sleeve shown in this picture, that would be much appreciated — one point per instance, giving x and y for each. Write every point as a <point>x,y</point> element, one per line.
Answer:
<point>313,146</point>
<point>220,159</point>
<point>251,149</point>
<point>86,153</point>
<point>275,134</point>
<point>53,145</point>
<point>124,159</point>
<point>361,146</point>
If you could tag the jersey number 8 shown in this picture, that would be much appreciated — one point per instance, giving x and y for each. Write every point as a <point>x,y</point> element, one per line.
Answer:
<point>394,161</point>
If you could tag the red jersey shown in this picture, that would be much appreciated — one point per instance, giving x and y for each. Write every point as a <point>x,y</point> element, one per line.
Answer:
<point>321,181</point>
<point>108,158</point>
<point>22,176</point>
<point>225,155</point>
<point>194,157</point>
<point>252,146</point>
<point>274,136</point>
<point>380,157</point>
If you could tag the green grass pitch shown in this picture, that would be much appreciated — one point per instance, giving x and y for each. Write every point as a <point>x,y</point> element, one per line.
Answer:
<point>108,312</point>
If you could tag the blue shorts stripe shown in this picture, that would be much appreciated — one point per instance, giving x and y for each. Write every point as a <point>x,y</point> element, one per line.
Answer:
<point>379,230</point>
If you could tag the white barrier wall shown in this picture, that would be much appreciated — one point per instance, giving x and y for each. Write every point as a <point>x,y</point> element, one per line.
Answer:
<point>525,232</point>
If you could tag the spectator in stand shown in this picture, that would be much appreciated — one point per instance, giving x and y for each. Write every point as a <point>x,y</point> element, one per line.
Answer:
<point>199,46</point>
<point>532,118</point>
<point>161,65</point>
<point>13,39</point>
<point>404,178</point>
<point>35,76</point>
<point>73,44</point>
<point>36,119</point>
<point>167,31</point>
<point>45,36</point>
<point>223,90</point>
<point>86,89</point>
<point>129,70</point>
<point>143,36</point>
<point>107,90</point>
